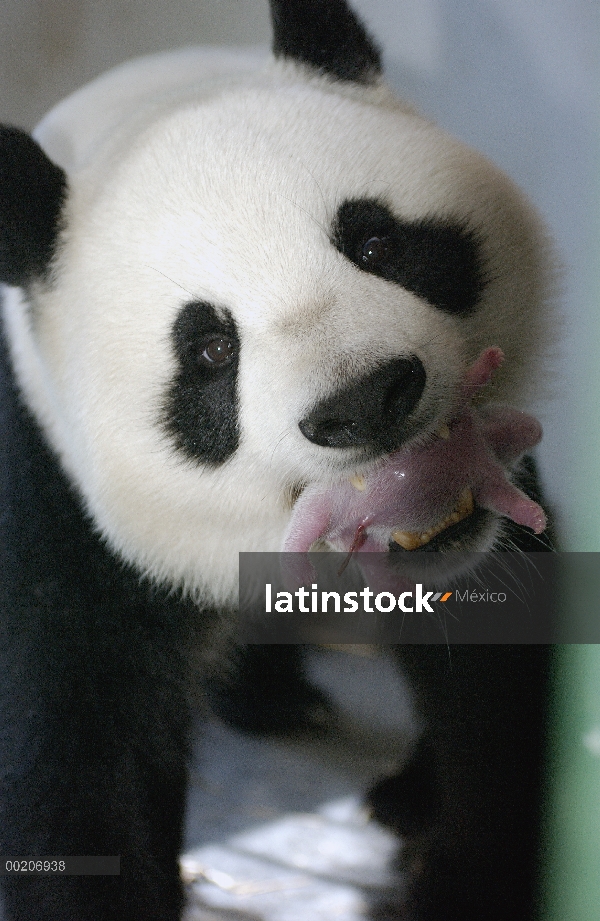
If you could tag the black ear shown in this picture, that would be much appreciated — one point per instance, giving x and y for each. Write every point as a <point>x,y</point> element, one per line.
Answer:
<point>325,34</point>
<point>32,191</point>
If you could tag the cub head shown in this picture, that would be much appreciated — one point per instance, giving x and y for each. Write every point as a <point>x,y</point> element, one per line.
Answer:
<point>263,279</point>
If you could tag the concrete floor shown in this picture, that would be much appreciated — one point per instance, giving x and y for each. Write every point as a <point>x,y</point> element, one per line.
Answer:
<point>277,830</point>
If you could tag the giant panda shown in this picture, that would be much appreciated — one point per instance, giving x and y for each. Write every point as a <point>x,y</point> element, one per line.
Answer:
<point>229,280</point>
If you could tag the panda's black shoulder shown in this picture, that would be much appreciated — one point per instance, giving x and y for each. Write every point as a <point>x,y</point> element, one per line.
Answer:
<point>55,568</point>
<point>47,535</point>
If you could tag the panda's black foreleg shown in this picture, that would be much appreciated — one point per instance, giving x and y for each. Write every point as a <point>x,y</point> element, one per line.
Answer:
<point>479,778</point>
<point>94,708</point>
<point>264,690</point>
<point>469,803</point>
<point>94,760</point>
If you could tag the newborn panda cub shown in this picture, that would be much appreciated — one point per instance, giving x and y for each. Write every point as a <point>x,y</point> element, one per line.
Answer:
<point>241,293</point>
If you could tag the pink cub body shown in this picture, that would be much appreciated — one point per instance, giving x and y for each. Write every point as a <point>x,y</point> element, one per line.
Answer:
<point>415,488</point>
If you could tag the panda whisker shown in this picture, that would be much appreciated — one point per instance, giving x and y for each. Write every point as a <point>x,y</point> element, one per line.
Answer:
<point>308,214</point>
<point>384,182</point>
<point>172,280</point>
<point>320,190</point>
<point>282,438</point>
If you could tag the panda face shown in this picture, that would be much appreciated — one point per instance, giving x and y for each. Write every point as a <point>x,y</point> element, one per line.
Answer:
<point>233,269</point>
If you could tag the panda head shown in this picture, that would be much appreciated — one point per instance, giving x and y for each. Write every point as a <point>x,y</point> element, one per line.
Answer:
<point>192,292</point>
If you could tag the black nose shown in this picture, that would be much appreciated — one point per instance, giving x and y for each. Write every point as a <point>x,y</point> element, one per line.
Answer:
<point>372,411</point>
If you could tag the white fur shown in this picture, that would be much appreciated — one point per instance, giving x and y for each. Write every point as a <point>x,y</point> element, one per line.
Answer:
<point>203,175</point>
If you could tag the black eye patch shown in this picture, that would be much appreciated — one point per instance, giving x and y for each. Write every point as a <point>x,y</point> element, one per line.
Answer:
<point>200,410</point>
<point>436,260</point>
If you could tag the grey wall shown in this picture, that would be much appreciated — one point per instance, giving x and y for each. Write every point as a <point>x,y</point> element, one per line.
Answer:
<point>516,78</point>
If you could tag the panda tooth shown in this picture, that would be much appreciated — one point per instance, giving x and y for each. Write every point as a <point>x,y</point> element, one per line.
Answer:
<point>411,540</point>
<point>358,482</point>
<point>443,431</point>
<point>407,539</point>
<point>467,503</point>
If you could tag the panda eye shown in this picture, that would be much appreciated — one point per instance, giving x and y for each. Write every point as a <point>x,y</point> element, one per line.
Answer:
<point>373,251</point>
<point>218,351</point>
<point>438,259</point>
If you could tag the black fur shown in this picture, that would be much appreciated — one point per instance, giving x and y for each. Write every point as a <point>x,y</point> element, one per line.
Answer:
<point>94,699</point>
<point>325,35</point>
<point>471,801</point>
<point>437,260</point>
<point>32,193</point>
<point>201,407</point>
<point>266,692</point>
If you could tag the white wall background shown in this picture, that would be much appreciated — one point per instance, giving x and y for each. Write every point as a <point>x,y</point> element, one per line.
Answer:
<point>516,78</point>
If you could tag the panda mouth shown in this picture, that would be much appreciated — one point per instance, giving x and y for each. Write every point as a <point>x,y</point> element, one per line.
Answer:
<point>431,494</point>
<point>414,540</point>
